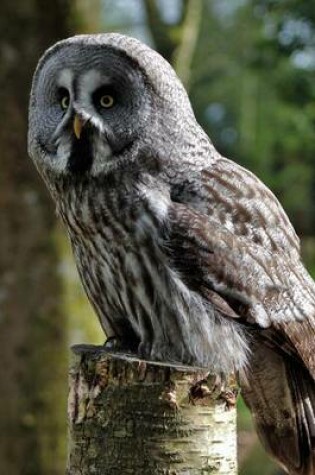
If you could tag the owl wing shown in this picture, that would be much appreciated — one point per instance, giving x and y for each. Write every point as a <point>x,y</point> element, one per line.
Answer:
<point>232,242</point>
<point>262,288</point>
<point>240,202</point>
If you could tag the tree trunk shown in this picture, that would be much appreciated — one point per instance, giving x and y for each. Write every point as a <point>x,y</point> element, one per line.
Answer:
<point>32,322</point>
<point>132,417</point>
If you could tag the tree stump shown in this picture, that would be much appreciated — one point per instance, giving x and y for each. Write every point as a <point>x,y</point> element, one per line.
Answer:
<point>128,416</point>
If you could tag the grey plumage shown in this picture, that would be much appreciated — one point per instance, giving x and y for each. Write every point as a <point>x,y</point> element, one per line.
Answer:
<point>184,255</point>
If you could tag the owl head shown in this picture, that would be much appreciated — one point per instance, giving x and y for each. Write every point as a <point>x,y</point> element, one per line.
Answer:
<point>98,101</point>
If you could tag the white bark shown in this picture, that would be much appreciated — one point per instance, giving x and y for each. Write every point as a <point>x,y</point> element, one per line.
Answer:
<point>131,417</point>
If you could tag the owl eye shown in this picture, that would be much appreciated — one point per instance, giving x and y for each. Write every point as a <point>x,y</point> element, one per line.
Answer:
<point>64,102</point>
<point>104,97</point>
<point>64,98</point>
<point>106,101</point>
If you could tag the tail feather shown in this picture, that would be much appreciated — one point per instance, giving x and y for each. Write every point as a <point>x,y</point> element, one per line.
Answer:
<point>281,396</point>
<point>303,395</point>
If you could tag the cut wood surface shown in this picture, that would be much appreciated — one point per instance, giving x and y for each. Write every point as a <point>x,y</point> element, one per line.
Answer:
<point>129,416</point>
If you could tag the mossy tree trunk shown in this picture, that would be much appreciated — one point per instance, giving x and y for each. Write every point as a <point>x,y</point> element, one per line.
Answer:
<point>131,417</point>
<point>32,322</point>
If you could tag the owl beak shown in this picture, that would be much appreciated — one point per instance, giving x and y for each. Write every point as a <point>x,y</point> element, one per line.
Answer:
<point>77,126</point>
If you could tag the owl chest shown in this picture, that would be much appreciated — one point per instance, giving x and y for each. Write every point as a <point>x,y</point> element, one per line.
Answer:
<point>121,267</point>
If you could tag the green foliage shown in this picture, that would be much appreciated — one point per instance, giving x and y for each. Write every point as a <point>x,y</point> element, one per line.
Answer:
<point>254,93</point>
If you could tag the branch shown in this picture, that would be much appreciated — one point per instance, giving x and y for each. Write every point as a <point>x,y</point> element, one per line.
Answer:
<point>161,32</point>
<point>190,32</point>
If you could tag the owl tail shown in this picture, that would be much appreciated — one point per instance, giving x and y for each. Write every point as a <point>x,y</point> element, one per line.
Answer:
<point>280,394</point>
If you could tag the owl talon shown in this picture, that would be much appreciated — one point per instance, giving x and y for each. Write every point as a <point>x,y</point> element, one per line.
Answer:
<point>214,386</point>
<point>230,398</point>
<point>217,383</point>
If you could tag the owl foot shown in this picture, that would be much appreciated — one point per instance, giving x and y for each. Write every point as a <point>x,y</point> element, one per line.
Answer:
<point>216,386</point>
<point>230,397</point>
<point>121,345</point>
<point>114,343</point>
<point>227,390</point>
<point>144,351</point>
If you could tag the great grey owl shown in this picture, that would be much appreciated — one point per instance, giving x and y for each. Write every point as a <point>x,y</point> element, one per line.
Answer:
<point>184,255</point>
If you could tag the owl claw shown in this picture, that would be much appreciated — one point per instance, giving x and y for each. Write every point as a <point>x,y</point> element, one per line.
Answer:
<point>217,383</point>
<point>215,387</point>
<point>230,397</point>
<point>121,345</point>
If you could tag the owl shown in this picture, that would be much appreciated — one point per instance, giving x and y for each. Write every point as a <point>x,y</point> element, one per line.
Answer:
<point>185,255</point>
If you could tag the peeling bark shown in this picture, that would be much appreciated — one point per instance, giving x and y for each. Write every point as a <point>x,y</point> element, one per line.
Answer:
<point>133,417</point>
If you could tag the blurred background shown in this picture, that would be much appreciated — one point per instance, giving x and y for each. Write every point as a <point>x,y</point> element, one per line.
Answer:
<point>249,68</point>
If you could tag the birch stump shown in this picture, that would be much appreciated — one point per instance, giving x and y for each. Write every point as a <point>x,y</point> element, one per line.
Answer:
<point>127,416</point>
